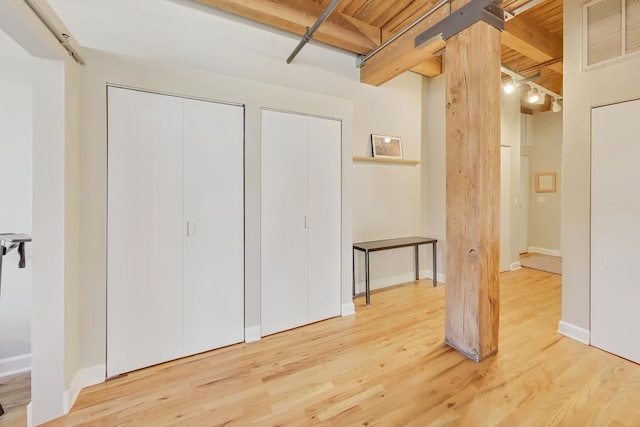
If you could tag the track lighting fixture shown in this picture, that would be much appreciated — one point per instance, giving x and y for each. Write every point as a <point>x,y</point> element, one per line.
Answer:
<point>542,97</point>
<point>509,87</point>
<point>536,95</point>
<point>533,95</point>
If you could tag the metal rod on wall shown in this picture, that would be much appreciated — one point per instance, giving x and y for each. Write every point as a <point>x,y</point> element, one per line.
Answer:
<point>310,31</point>
<point>63,38</point>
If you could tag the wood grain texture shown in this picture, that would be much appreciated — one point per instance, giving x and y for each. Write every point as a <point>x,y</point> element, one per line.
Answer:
<point>472,70</point>
<point>401,54</point>
<point>295,16</point>
<point>533,41</point>
<point>386,365</point>
<point>15,394</point>
<point>431,68</point>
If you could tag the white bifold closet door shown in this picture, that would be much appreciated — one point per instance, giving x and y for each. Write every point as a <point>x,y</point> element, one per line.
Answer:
<point>615,229</point>
<point>175,261</point>
<point>300,220</point>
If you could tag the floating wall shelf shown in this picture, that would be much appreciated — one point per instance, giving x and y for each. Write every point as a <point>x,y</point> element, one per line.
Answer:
<point>385,160</point>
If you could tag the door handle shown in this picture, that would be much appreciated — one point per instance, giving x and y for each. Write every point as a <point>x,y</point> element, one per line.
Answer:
<point>190,229</point>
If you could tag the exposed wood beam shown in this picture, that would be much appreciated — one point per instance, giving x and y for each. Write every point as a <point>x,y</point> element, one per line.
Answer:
<point>533,42</point>
<point>295,16</point>
<point>430,68</point>
<point>402,55</point>
<point>472,71</point>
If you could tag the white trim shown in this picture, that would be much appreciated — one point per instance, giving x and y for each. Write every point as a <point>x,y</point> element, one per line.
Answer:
<point>543,251</point>
<point>385,282</point>
<point>252,334</point>
<point>574,332</point>
<point>83,378</point>
<point>15,365</point>
<point>515,266</point>
<point>348,309</point>
<point>428,274</point>
<point>29,416</point>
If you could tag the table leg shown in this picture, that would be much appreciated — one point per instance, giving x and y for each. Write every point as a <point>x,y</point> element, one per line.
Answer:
<point>435,265</point>
<point>353,272</point>
<point>366,273</point>
<point>417,263</point>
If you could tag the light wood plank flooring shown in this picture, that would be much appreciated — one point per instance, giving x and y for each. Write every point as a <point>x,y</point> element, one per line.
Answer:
<point>15,394</point>
<point>386,365</point>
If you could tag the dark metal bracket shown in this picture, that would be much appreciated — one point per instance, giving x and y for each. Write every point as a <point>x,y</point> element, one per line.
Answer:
<point>477,10</point>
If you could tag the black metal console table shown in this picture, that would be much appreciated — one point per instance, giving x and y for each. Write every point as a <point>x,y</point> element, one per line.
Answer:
<point>380,245</point>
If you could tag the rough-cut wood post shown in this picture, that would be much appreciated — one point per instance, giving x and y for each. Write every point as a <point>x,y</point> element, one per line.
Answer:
<point>472,68</point>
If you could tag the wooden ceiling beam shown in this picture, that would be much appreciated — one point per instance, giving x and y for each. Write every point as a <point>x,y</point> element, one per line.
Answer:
<point>401,54</point>
<point>533,42</point>
<point>430,68</point>
<point>294,16</point>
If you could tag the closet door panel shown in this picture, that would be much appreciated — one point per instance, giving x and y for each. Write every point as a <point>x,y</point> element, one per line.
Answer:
<point>283,210</point>
<point>214,225</point>
<point>144,246</point>
<point>324,207</point>
<point>615,229</point>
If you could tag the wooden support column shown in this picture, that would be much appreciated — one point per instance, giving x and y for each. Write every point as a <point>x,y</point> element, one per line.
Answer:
<point>472,69</point>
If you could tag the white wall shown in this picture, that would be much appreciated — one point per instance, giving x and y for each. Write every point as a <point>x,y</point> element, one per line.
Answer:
<point>433,172</point>
<point>545,155</point>
<point>510,137</point>
<point>53,219</point>
<point>102,68</point>
<point>433,177</point>
<point>582,91</point>
<point>16,92</point>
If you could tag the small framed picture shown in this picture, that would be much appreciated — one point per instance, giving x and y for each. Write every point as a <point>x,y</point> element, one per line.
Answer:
<point>386,146</point>
<point>546,182</point>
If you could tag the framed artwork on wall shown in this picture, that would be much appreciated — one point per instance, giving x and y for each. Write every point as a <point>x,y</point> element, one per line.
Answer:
<point>386,146</point>
<point>546,182</point>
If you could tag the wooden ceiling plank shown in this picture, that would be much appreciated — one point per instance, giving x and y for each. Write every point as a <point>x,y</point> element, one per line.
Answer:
<point>339,30</point>
<point>407,16</point>
<point>402,55</point>
<point>393,10</point>
<point>533,42</point>
<point>354,7</point>
<point>372,8</point>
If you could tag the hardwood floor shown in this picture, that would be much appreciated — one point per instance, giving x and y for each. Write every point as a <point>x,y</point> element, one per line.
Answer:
<point>386,365</point>
<point>15,394</point>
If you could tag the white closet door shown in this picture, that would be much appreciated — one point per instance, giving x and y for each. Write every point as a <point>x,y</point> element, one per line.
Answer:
<point>144,299</point>
<point>325,192</point>
<point>615,229</point>
<point>214,225</point>
<point>283,224</point>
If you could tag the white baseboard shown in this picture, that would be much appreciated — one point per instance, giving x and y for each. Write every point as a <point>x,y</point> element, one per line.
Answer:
<point>515,266</point>
<point>396,280</point>
<point>252,334</point>
<point>428,274</point>
<point>85,377</point>
<point>29,416</point>
<point>15,365</point>
<point>348,309</point>
<point>574,332</point>
<point>543,251</point>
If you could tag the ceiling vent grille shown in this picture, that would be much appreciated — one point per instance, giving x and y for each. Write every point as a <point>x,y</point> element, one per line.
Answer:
<point>632,26</point>
<point>612,29</point>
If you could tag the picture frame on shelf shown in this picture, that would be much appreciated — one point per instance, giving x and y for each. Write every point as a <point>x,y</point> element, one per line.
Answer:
<point>385,146</point>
